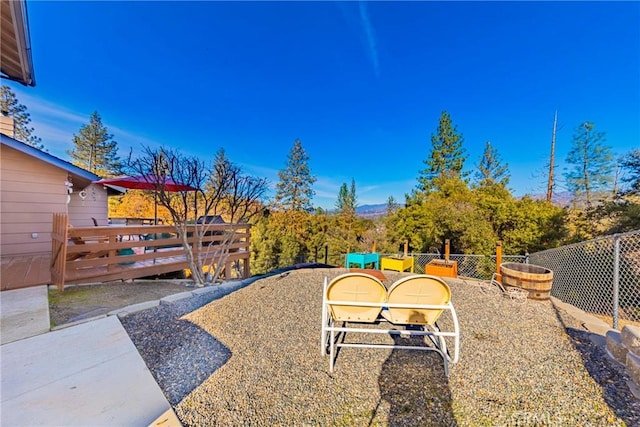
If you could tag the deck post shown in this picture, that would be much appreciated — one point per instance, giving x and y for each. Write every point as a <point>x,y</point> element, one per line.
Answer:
<point>59,249</point>
<point>246,269</point>
<point>112,252</point>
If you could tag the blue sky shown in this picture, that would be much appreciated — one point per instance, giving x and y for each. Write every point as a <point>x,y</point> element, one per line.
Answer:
<point>361,84</point>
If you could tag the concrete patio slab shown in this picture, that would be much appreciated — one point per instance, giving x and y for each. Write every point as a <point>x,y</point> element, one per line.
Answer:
<point>89,374</point>
<point>23,313</point>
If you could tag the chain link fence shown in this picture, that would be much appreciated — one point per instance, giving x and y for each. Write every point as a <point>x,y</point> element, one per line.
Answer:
<point>479,267</point>
<point>600,276</point>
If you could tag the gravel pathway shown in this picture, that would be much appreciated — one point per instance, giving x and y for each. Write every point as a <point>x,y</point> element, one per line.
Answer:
<point>252,358</point>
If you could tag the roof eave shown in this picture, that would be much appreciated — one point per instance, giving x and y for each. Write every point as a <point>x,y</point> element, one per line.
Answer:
<point>48,158</point>
<point>20,28</point>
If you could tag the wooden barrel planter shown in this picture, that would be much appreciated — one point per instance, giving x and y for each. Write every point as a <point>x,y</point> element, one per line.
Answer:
<point>532,278</point>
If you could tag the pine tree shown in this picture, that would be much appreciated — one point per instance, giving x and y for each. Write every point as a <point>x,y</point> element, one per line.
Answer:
<point>343,197</point>
<point>95,150</point>
<point>217,187</point>
<point>631,164</point>
<point>392,205</point>
<point>447,157</point>
<point>592,162</point>
<point>353,200</point>
<point>11,107</point>
<point>491,170</point>
<point>347,198</point>
<point>294,190</point>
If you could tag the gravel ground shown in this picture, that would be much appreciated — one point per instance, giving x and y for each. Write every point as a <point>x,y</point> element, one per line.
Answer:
<point>253,358</point>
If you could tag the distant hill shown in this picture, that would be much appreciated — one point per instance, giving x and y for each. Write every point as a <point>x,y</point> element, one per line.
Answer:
<point>372,211</point>
<point>563,198</point>
<point>376,211</point>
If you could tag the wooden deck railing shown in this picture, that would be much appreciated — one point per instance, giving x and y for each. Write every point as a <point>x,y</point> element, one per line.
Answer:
<point>98,254</point>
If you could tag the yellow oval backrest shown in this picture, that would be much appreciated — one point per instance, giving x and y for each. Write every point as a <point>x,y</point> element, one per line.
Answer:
<point>418,289</point>
<point>355,287</point>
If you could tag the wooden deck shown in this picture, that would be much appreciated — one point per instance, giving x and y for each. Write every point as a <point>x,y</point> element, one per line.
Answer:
<point>100,254</point>
<point>24,271</point>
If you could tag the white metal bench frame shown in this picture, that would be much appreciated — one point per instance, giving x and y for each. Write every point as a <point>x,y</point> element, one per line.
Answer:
<point>330,329</point>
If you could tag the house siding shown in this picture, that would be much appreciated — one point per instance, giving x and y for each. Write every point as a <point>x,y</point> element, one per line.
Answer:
<point>30,192</point>
<point>94,205</point>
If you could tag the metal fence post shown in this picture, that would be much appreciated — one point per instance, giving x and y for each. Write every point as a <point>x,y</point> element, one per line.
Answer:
<point>616,280</point>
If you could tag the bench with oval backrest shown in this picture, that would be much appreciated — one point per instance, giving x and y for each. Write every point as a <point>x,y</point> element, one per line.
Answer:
<point>415,302</point>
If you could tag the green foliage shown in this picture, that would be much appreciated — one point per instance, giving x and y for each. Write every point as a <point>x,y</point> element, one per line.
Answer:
<point>352,232</point>
<point>294,190</point>
<point>95,150</point>
<point>627,215</point>
<point>592,163</point>
<point>264,247</point>
<point>619,215</point>
<point>281,239</point>
<point>445,207</point>
<point>497,206</point>
<point>458,218</point>
<point>535,225</point>
<point>392,204</point>
<point>446,158</point>
<point>318,226</point>
<point>491,170</point>
<point>631,166</point>
<point>349,232</point>
<point>347,200</point>
<point>524,225</point>
<point>412,223</point>
<point>474,220</point>
<point>447,212</point>
<point>10,106</point>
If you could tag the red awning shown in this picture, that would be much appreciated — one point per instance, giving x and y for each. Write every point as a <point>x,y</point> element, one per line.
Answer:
<point>146,182</point>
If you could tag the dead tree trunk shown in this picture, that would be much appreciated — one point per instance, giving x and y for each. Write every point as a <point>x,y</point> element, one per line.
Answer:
<point>552,159</point>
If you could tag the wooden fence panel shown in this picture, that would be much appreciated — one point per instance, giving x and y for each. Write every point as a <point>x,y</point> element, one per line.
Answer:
<point>95,254</point>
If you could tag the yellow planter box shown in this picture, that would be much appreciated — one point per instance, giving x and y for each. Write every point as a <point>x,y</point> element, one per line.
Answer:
<point>396,263</point>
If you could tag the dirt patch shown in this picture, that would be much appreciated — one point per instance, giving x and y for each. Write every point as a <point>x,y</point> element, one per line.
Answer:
<point>86,301</point>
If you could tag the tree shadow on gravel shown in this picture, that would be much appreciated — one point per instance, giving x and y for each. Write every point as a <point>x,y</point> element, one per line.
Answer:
<point>416,387</point>
<point>608,374</point>
<point>179,354</point>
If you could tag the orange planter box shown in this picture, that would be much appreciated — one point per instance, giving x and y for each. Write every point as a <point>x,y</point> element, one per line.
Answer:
<point>442,268</point>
